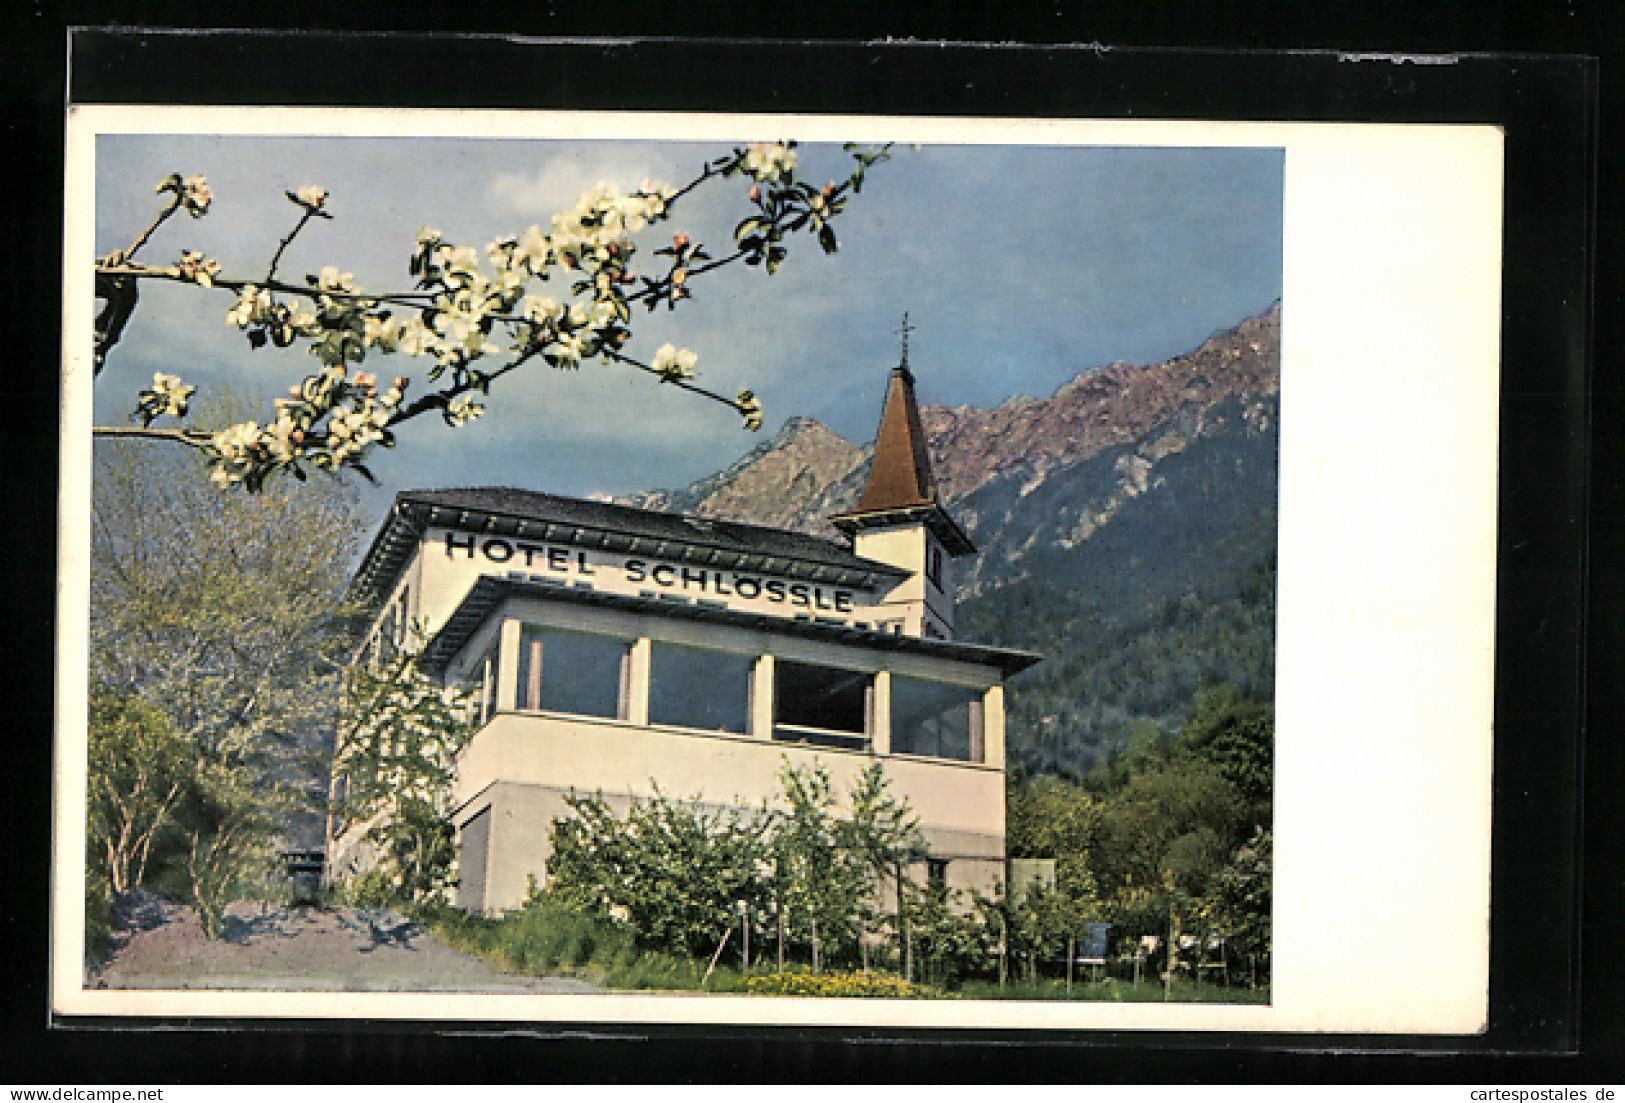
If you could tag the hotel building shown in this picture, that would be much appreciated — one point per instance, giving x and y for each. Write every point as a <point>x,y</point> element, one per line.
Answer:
<point>612,649</point>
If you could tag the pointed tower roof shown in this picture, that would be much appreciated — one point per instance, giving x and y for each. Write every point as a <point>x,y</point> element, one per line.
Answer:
<point>900,476</point>
<point>901,488</point>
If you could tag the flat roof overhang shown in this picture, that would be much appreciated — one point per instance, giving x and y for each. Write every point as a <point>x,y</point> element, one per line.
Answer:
<point>489,591</point>
<point>930,514</point>
<point>409,519</point>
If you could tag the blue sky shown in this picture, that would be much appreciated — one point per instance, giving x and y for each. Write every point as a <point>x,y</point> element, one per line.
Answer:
<point>1020,266</point>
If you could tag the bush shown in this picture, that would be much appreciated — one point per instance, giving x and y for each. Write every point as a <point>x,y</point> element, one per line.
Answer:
<point>98,919</point>
<point>376,888</point>
<point>799,982</point>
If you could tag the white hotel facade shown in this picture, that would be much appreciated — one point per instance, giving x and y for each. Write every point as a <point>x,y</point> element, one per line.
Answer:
<point>614,648</point>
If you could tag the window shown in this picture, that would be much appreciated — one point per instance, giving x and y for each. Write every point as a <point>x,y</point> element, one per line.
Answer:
<point>936,719</point>
<point>383,641</point>
<point>575,672</point>
<point>936,874</point>
<point>820,704</point>
<point>933,563</point>
<point>392,629</point>
<point>403,622</point>
<point>698,687</point>
<point>485,675</point>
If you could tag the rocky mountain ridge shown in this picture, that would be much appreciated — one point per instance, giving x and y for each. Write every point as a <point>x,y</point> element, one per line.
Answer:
<point>807,472</point>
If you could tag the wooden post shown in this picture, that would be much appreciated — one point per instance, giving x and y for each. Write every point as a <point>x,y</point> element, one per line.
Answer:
<point>1070,944</point>
<point>1004,949</point>
<point>1168,961</point>
<point>902,920</point>
<point>744,938</point>
<point>726,932</point>
<point>815,942</point>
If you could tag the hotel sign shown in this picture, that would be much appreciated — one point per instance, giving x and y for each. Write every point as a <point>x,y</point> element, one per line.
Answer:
<point>641,575</point>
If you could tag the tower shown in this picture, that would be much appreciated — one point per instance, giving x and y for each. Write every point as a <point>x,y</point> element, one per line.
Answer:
<point>899,520</point>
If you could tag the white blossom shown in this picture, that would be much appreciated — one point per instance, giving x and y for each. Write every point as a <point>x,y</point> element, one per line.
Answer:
<point>462,409</point>
<point>196,196</point>
<point>673,364</point>
<point>381,332</point>
<point>456,324</point>
<point>751,407</point>
<point>303,321</point>
<point>532,250</point>
<point>285,439</point>
<point>769,161</point>
<point>540,308</point>
<point>507,284</point>
<point>603,313</point>
<point>571,347</point>
<point>331,279</point>
<point>463,260</point>
<point>167,396</point>
<point>197,268</point>
<point>232,445</point>
<point>253,307</point>
<point>416,339</point>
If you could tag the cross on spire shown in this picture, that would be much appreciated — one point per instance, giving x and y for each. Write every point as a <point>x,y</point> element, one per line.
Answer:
<point>904,330</point>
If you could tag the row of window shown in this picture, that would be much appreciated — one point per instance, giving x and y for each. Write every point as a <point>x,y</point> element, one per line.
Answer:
<point>584,674</point>
<point>392,629</point>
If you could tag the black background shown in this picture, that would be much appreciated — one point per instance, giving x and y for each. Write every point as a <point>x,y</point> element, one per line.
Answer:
<point>1556,996</point>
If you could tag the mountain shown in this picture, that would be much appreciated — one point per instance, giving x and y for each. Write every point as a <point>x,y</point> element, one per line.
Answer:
<point>792,481</point>
<point>1125,527</point>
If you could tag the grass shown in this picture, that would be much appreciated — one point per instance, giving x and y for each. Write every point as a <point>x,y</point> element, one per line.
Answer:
<point>1114,990</point>
<point>548,938</point>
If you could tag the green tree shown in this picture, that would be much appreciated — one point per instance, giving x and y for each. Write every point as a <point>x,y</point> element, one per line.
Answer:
<point>821,884</point>
<point>1052,817</point>
<point>1236,734</point>
<point>677,872</point>
<point>224,615</point>
<point>684,875</point>
<point>1239,900</point>
<point>399,731</point>
<point>885,836</point>
<point>138,770</point>
<point>1140,825</point>
<point>231,828</point>
<point>952,938</point>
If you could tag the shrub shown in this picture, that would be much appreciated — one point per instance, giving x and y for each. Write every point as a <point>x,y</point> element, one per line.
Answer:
<point>798,982</point>
<point>98,918</point>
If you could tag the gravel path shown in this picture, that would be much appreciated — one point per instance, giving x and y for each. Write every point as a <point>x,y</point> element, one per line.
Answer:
<point>160,944</point>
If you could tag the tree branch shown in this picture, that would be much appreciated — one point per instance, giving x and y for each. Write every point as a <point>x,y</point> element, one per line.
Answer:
<point>193,438</point>
<point>276,258</point>
<point>163,216</point>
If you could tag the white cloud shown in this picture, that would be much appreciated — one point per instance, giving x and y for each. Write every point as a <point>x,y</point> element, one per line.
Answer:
<point>566,175</point>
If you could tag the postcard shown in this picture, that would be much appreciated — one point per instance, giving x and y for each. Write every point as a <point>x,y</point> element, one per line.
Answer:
<point>822,570</point>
